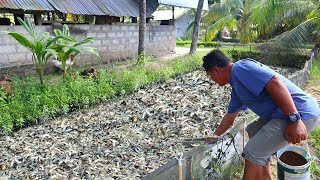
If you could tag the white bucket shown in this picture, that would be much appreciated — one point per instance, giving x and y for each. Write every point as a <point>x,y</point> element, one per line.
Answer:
<point>288,172</point>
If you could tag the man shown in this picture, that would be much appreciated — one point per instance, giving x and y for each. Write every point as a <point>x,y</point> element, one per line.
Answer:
<point>286,112</point>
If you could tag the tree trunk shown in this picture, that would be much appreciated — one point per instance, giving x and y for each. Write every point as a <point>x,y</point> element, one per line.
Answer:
<point>142,28</point>
<point>196,27</point>
<point>40,73</point>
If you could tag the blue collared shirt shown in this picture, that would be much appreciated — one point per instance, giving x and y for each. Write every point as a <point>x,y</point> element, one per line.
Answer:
<point>248,80</point>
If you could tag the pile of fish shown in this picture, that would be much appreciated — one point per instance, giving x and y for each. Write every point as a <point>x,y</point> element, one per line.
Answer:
<point>124,138</point>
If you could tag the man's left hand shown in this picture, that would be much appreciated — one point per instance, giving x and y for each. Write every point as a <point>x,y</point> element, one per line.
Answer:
<point>296,132</point>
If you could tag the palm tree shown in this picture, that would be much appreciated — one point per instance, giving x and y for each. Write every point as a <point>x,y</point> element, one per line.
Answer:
<point>303,31</point>
<point>142,29</point>
<point>196,27</point>
<point>255,19</point>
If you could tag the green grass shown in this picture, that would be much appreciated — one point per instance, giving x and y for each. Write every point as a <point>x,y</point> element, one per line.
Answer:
<point>314,137</point>
<point>315,70</point>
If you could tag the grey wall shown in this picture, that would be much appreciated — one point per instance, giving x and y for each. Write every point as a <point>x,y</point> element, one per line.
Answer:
<point>182,23</point>
<point>114,42</point>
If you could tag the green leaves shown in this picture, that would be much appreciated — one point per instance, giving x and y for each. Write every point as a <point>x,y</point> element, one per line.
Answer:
<point>23,40</point>
<point>38,44</point>
<point>28,26</point>
<point>67,46</point>
<point>43,45</point>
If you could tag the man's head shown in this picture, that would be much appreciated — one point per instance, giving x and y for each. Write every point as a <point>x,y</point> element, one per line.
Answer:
<point>217,66</point>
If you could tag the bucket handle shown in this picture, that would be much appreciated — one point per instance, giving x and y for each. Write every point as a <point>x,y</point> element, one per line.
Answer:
<point>306,146</point>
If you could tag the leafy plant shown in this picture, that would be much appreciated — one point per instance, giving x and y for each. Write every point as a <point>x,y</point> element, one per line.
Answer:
<point>39,44</point>
<point>68,48</point>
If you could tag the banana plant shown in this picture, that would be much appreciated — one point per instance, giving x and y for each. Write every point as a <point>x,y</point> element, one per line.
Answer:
<point>39,44</point>
<point>69,47</point>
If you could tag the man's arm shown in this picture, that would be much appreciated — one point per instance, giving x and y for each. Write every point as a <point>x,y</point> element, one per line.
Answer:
<point>226,123</point>
<point>295,132</point>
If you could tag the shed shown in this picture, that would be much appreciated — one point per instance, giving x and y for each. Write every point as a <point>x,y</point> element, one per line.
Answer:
<point>184,3</point>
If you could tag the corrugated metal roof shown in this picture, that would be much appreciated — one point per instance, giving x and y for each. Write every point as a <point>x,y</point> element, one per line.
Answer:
<point>8,4</point>
<point>184,3</point>
<point>41,5</point>
<point>32,5</point>
<point>87,7</point>
<point>125,7</point>
<point>75,6</point>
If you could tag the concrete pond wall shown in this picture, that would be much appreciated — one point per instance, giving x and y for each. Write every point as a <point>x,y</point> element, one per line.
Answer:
<point>222,159</point>
<point>114,42</point>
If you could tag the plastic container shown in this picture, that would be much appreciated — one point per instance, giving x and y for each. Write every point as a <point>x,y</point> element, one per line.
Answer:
<point>294,172</point>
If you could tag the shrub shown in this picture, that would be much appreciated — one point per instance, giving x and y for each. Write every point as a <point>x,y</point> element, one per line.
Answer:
<point>181,42</point>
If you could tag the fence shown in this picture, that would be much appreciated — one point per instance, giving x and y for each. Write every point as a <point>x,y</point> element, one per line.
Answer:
<point>222,159</point>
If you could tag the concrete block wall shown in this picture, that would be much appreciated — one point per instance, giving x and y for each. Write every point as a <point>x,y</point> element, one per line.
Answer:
<point>114,42</point>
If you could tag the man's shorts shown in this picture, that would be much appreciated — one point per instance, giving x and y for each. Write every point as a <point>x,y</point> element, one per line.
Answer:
<point>267,137</point>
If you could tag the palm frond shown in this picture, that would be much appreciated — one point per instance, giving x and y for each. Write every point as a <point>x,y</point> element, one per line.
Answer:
<point>189,30</point>
<point>87,40</point>
<point>294,40</point>
<point>226,21</point>
<point>23,40</point>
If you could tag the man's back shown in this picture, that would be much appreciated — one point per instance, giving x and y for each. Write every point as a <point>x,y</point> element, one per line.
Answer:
<point>248,80</point>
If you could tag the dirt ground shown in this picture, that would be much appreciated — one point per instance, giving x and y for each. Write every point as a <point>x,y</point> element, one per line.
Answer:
<point>314,90</point>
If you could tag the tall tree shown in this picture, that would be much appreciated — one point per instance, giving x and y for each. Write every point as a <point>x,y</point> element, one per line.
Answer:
<point>195,35</point>
<point>142,28</point>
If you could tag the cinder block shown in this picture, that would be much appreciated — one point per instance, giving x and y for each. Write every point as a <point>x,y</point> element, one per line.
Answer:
<point>7,39</point>
<point>22,49</point>
<point>106,28</point>
<point>132,41</point>
<point>7,49</point>
<point>135,34</point>
<point>28,59</point>
<point>96,27</point>
<point>132,27</point>
<point>97,43</point>
<point>124,27</point>
<point>103,49</point>
<point>128,34</point>
<point>115,28</point>
<point>111,35</point>
<point>112,48</point>
<point>92,34</point>
<point>119,34</point>
<point>116,41</point>
<point>101,35</point>
<point>106,42</point>
<point>17,58</point>
<point>4,60</point>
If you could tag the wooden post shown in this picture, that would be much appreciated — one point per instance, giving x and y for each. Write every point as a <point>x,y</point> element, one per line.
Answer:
<point>173,15</point>
<point>134,19</point>
<point>16,22</point>
<point>37,19</point>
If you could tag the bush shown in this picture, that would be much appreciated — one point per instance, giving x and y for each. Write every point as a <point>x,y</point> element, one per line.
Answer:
<point>237,55</point>
<point>181,42</point>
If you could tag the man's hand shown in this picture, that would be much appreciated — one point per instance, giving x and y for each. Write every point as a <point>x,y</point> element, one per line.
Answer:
<point>296,132</point>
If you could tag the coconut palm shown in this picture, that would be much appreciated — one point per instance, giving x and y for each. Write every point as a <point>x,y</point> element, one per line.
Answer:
<point>196,27</point>
<point>255,19</point>
<point>39,44</point>
<point>303,31</point>
<point>142,30</point>
<point>70,47</point>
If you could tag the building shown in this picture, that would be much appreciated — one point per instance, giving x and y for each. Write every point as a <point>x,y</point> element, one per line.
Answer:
<point>117,38</point>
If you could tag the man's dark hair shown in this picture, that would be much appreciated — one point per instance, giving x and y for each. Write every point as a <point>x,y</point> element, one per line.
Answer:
<point>215,58</point>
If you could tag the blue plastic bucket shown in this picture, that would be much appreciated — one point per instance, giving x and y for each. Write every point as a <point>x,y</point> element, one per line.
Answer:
<point>288,172</point>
